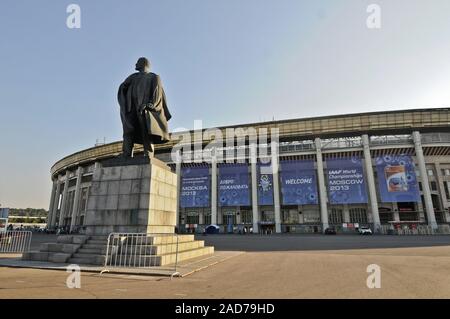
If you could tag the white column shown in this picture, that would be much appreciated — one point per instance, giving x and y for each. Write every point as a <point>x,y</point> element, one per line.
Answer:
<point>322,189</point>
<point>76,199</point>
<point>396,212</point>
<point>214,188</point>
<point>346,214</point>
<point>425,183</point>
<point>56,201</point>
<point>371,184</point>
<point>447,213</point>
<point>178,172</point>
<point>64,203</point>
<point>253,161</point>
<point>52,202</point>
<point>441,187</point>
<point>276,185</point>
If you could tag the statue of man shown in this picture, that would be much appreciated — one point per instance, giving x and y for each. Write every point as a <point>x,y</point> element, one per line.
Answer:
<point>143,110</point>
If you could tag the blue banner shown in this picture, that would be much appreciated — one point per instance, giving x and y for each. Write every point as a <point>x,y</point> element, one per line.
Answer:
<point>346,184</point>
<point>298,183</point>
<point>4,212</point>
<point>265,184</point>
<point>397,179</point>
<point>234,185</point>
<point>195,187</point>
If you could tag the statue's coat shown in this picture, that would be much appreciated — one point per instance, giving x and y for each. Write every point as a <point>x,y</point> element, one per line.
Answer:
<point>138,89</point>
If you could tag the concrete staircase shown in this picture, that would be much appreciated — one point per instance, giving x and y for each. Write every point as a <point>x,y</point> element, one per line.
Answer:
<point>92,252</point>
<point>159,250</point>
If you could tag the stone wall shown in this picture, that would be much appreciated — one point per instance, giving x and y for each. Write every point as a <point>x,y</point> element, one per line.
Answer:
<point>132,198</point>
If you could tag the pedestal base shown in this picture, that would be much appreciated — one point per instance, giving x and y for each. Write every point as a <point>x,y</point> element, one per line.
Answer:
<point>136,195</point>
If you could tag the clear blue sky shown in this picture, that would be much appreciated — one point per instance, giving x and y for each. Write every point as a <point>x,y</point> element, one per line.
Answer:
<point>224,62</point>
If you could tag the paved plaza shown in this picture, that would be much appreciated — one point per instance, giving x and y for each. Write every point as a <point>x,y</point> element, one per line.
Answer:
<point>288,266</point>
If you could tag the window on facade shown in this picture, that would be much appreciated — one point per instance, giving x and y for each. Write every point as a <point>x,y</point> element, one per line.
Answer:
<point>447,193</point>
<point>408,216</point>
<point>246,217</point>
<point>207,219</point>
<point>229,218</point>
<point>385,217</point>
<point>420,186</point>
<point>358,215</point>
<point>433,186</point>
<point>439,217</point>
<point>430,172</point>
<point>83,200</point>
<point>289,216</point>
<point>267,216</point>
<point>335,216</point>
<point>68,200</point>
<point>192,218</point>
<point>311,216</point>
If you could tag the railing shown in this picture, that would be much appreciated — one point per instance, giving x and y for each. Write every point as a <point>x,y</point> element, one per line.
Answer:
<point>158,252</point>
<point>428,138</point>
<point>341,143</point>
<point>390,139</point>
<point>15,241</point>
<point>420,230</point>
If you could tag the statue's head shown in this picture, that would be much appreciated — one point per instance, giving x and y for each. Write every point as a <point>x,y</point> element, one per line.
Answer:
<point>143,65</point>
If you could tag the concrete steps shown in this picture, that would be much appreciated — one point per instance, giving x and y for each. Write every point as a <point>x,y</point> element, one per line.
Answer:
<point>159,250</point>
<point>88,260</point>
<point>95,251</point>
<point>94,246</point>
<point>159,260</point>
<point>96,242</point>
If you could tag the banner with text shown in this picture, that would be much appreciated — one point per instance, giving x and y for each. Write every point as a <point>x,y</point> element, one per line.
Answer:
<point>397,179</point>
<point>265,184</point>
<point>195,187</point>
<point>234,185</point>
<point>298,182</point>
<point>346,183</point>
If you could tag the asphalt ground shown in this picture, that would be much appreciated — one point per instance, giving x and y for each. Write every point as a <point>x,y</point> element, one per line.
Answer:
<point>292,242</point>
<point>274,266</point>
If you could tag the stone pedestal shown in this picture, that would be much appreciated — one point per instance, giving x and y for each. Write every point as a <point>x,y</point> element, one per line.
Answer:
<point>134,195</point>
<point>127,196</point>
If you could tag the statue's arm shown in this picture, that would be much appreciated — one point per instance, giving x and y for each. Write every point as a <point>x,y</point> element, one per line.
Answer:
<point>164,100</point>
<point>122,93</point>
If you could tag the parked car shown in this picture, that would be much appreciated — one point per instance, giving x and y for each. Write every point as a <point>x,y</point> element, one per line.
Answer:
<point>330,231</point>
<point>212,229</point>
<point>365,230</point>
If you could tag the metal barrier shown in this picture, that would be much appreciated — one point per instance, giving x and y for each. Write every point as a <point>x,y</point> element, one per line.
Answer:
<point>420,230</point>
<point>15,241</point>
<point>140,250</point>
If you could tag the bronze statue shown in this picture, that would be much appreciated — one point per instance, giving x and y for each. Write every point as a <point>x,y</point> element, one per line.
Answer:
<point>143,110</point>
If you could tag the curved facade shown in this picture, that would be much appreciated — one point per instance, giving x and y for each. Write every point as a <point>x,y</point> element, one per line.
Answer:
<point>379,169</point>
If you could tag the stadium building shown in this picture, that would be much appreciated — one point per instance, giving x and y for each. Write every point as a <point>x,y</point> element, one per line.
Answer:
<point>387,170</point>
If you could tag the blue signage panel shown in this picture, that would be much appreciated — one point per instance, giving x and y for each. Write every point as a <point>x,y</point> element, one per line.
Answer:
<point>265,184</point>
<point>346,183</point>
<point>4,212</point>
<point>234,185</point>
<point>195,187</point>
<point>397,179</point>
<point>298,182</point>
